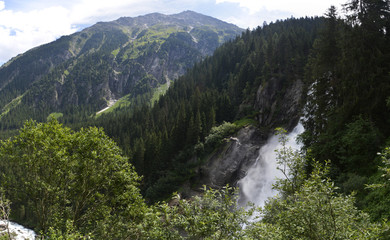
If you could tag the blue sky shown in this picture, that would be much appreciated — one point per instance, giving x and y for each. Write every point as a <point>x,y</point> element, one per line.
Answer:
<point>25,24</point>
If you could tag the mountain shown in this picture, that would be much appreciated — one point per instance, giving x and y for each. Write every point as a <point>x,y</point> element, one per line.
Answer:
<point>256,79</point>
<point>80,74</point>
<point>331,70</point>
<point>330,73</point>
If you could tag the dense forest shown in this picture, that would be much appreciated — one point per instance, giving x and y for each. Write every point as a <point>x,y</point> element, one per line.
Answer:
<point>337,187</point>
<point>347,111</point>
<point>161,140</point>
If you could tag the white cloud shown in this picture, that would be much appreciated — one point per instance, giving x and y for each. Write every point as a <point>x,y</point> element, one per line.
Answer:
<point>299,8</point>
<point>47,20</point>
<point>91,11</point>
<point>20,31</point>
<point>246,19</point>
<point>34,22</point>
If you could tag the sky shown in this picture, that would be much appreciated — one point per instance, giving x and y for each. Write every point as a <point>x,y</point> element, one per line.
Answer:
<point>25,24</point>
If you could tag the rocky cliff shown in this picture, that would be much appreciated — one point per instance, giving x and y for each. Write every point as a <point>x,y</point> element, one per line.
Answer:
<point>230,162</point>
<point>278,107</point>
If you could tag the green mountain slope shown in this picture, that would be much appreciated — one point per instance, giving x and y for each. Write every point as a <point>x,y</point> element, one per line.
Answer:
<point>342,68</point>
<point>332,71</point>
<point>256,78</point>
<point>78,75</point>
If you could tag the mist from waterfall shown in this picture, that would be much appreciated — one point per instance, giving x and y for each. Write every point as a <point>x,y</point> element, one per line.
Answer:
<point>256,186</point>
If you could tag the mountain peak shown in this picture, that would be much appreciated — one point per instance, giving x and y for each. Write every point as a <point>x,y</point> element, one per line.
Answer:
<point>187,17</point>
<point>130,56</point>
<point>195,17</point>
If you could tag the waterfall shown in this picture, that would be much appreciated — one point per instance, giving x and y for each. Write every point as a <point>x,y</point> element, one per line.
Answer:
<point>256,186</point>
<point>17,231</point>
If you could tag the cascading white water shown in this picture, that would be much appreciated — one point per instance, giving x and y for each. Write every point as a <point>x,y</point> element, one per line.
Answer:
<point>256,186</point>
<point>18,232</point>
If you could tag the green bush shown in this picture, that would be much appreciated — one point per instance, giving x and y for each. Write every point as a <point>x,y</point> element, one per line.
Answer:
<point>218,133</point>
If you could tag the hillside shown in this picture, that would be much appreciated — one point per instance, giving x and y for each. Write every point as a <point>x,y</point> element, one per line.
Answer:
<point>78,75</point>
<point>331,72</point>
<point>255,79</point>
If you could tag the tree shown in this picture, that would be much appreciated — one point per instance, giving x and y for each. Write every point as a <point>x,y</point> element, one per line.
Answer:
<point>377,198</point>
<point>385,156</point>
<point>314,211</point>
<point>54,176</point>
<point>5,210</point>
<point>291,163</point>
<point>372,15</point>
<point>348,74</point>
<point>212,215</point>
<point>322,76</point>
<point>359,143</point>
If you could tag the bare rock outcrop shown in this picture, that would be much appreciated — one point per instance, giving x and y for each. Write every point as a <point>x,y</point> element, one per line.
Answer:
<point>279,106</point>
<point>231,161</point>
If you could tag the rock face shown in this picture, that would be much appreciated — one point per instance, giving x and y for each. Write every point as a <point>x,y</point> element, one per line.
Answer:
<point>279,106</point>
<point>231,162</point>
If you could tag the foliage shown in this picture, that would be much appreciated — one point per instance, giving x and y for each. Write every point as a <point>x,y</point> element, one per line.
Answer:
<point>55,115</point>
<point>92,170</point>
<point>5,210</point>
<point>385,156</point>
<point>312,209</point>
<point>348,81</point>
<point>211,215</point>
<point>64,176</point>
<point>221,88</point>
<point>358,144</point>
<point>218,133</point>
<point>347,114</point>
<point>60,175</point>
<point>291,163</point>
<point>316,211</point>
<point>68,234</point>
<point>214,215</point>
<point>247,120</point>
<point>377,200</point>
<point>158,92</point>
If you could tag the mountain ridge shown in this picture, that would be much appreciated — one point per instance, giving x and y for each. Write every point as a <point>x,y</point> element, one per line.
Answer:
<point>83,71</point>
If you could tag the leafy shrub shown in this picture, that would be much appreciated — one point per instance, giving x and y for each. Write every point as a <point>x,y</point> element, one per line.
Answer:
<point>218,133</point>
